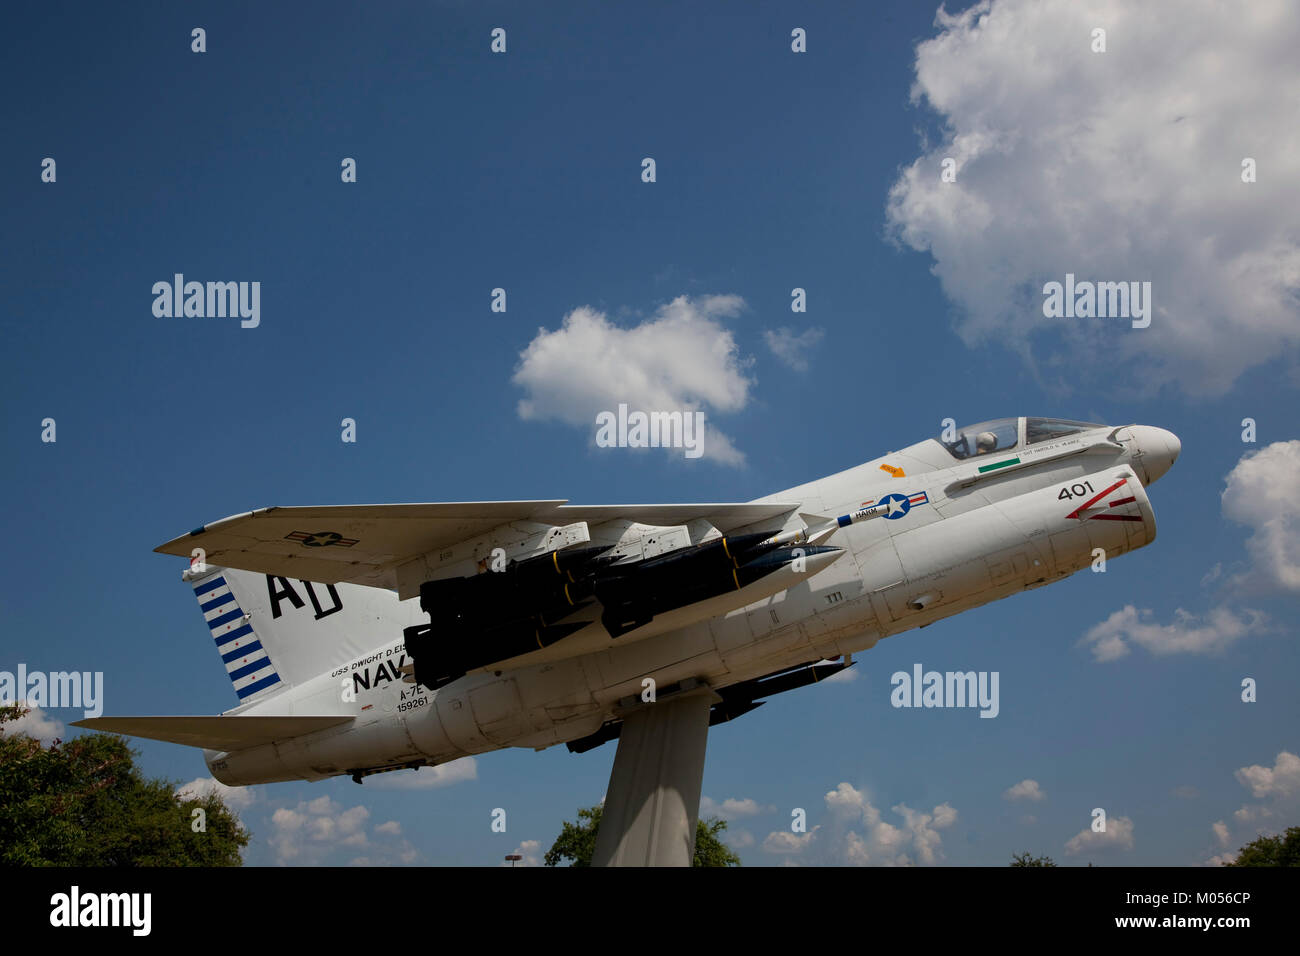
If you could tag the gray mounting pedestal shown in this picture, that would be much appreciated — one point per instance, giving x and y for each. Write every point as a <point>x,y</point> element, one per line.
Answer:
<point>653,800</point>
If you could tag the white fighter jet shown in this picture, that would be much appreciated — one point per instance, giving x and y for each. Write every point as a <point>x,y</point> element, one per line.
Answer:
<point>371,638</point>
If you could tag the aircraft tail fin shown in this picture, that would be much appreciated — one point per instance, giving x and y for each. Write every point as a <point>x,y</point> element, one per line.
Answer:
<point>274,632</point>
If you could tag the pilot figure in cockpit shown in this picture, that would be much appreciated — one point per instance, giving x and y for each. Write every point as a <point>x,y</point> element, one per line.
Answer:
<point>985,442</point>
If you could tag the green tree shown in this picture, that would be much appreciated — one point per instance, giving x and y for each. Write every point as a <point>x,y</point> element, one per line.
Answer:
<point>1283,850</point>
<point>709,849</point>
<point>83,802</point>
<point>577,842</point>
<point>1024,859</point>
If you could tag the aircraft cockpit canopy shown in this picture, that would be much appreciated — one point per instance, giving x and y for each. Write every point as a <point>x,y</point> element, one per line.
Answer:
<point>1004,434</point>
<point>1050,429</point>
<point>1001,434</point>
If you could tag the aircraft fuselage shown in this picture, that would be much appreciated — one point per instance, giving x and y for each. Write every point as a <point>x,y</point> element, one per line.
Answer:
<point>952,526</point>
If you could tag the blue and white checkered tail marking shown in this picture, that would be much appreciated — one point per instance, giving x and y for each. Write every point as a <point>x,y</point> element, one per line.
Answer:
<point>249,667</point>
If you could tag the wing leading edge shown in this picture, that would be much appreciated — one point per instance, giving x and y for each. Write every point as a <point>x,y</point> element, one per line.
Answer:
<point>365,544</point>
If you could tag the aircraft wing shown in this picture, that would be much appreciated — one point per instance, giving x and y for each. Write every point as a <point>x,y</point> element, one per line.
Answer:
<point>364,544</point>
<point>212,733</point>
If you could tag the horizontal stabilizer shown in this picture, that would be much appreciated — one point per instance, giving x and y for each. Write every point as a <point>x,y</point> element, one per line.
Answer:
<point>212,733</point>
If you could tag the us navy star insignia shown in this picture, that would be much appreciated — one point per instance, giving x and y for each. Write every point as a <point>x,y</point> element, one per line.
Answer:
<point>321,539</point>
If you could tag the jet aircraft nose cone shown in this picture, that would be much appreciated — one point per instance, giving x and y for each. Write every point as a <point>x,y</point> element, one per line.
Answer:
<point>1156,452</point>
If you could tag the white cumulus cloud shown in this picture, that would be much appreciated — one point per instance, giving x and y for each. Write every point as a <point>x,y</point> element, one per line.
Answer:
<point>731,808</point>
<point>237,798</point>
<point>790,348</point>
<point>1220,830</point>
<point>426,778</point>
<point>786,841</point>
<point>1117,835</point>
<point>1117,166</point>
<point>324,832</point>
<point>1263,493</point>
<point>737,839</point>
<point>682,358</point>
<point>858,835</point>
<point>306,833</point>
<point>530,850</point>
<point>37,724</point>
<point>1282,780</point>
<point>1188,634</point>
<point>1025,790</point>
<point>1277,790</point>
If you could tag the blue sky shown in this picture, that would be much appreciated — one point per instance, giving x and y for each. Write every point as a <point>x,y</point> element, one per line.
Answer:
<point>775,170</point>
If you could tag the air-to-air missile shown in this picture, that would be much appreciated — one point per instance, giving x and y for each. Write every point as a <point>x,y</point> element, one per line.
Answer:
<point>818,529</point>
